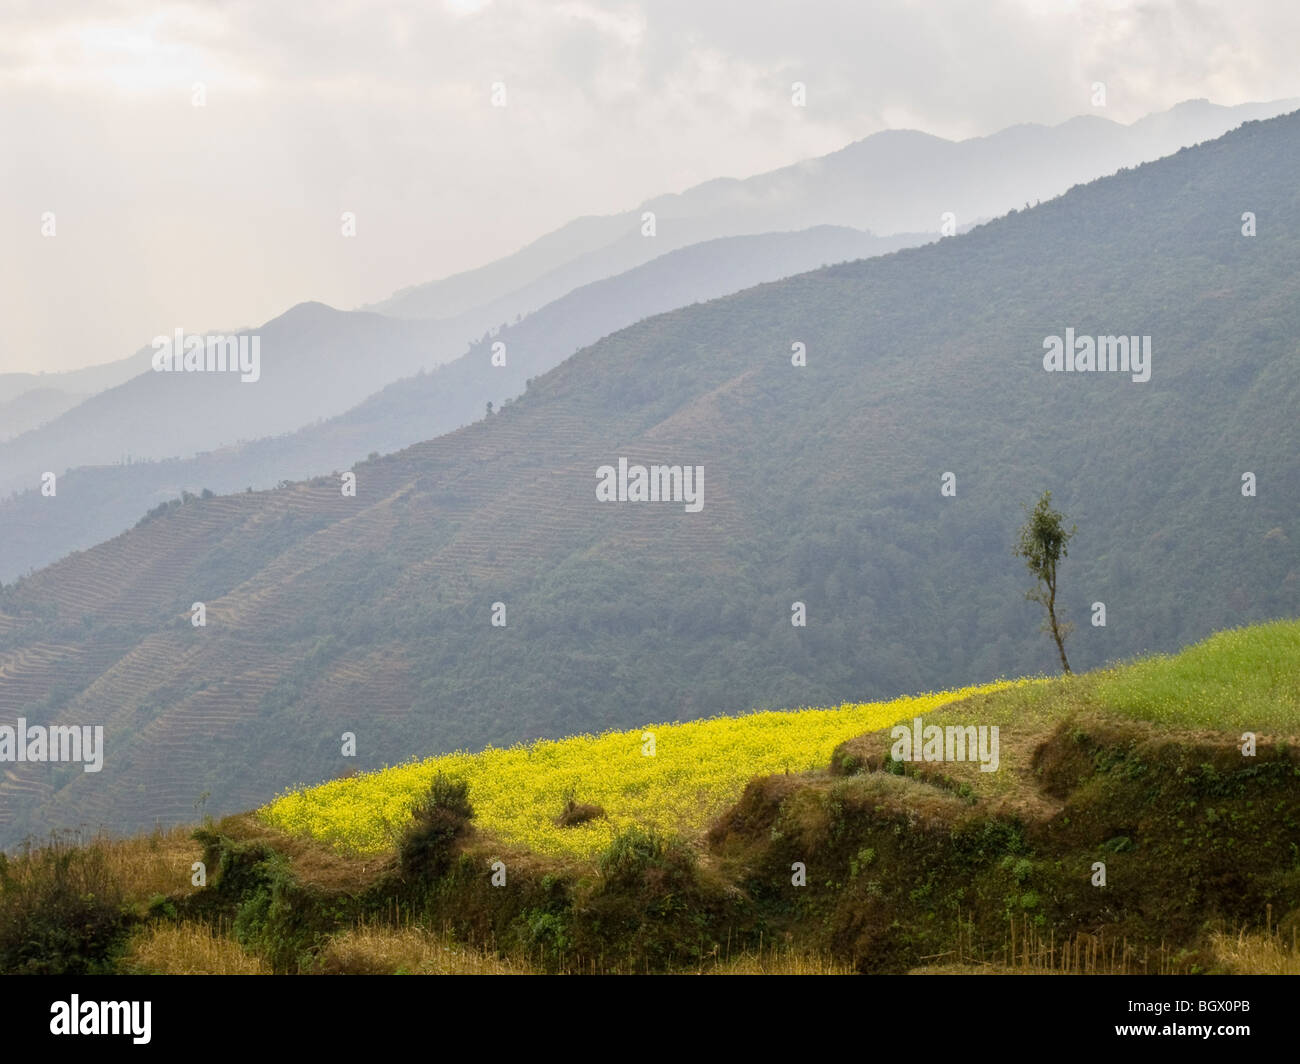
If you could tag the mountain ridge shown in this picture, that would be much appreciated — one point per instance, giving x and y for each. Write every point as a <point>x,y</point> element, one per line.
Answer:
<point>372,614</point>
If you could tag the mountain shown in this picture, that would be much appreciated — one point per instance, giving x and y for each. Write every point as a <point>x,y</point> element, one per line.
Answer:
<point>320,364</point>
<point>110,499</point>
<point>83,382</point>
<point>34,408</point>
<point>373,614</point>
<point>314,362</point>
<point>895,181</point>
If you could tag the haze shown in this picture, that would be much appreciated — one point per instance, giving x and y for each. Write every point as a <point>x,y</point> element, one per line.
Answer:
<point>170,215</point>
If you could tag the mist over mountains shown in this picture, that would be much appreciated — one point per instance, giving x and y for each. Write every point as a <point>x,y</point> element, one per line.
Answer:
<point>896,181</point>
<point>109,499</point>
<point>372,613</point>
<point>162,435</point>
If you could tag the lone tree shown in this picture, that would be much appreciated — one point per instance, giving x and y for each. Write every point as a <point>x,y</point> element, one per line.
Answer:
<point>1043,540</point>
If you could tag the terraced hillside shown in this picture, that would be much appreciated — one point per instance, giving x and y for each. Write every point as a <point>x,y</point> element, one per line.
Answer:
<point>373,614</point>
<point>1137,819</point>
<point>576,285</point>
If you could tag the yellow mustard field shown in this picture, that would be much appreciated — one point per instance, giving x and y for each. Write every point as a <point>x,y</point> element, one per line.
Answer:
<point>675,778</point>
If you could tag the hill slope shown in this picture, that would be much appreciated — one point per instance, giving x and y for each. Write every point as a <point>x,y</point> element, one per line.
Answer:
<point>372,614</point>
<point>897,182</point>
<point>110,499</point>
<point>1137,819</point>
<point>1241,680</point>
<point>697,771</point>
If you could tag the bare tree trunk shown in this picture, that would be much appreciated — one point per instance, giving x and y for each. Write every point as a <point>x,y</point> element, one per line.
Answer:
<point>1056,631</point>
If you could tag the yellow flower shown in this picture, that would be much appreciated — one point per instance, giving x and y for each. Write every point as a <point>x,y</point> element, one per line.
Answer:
<point>697,770</point>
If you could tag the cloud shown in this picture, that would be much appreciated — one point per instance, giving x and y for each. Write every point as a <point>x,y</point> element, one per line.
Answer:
<point>175,215</point>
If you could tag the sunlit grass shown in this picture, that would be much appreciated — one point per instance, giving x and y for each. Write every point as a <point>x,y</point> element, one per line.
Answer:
<point>377,950</point>
<point>1243,678</point>
<point>170,948</point>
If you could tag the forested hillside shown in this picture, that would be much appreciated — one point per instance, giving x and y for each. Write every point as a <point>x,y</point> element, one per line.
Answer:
<point>373,614</point>
<point>112,498</point>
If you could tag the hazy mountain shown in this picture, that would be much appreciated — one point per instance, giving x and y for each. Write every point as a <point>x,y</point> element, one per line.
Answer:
<point>896,181</point>
<point>319,365</point>
<point>373,614</point>
<point>83,382</point>
<point>314,362</point>
<point>109,499</point>
<point>34,408</point>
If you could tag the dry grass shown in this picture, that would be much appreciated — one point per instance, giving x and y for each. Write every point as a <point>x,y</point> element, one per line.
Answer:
<point>1257,953</point>
<point>983,969</point>
<point>190,949</point>
<point>312,861</point>
<point>782,961</point>
<point>369,950</point>
<point>1028,952</point>
<point>147,865</point>
<point>141,867</point>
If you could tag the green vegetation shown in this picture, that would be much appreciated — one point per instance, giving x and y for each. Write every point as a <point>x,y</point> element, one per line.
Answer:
<point>371,614</point>
<point>437,821</point>
<point>61,913</point>
<point>1043,543</point>
<point>924,865</point>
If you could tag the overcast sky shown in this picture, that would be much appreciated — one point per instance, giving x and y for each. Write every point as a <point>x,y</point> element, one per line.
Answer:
<point>169,215</point>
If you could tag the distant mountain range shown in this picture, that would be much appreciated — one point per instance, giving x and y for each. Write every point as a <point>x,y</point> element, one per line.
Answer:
<point>311,366</point>
<point>34,408</point>
<point>86,381</point>
<point>97,502</point>
<point>195,431</point>
<point>874,490</point>
<point>895,181</point>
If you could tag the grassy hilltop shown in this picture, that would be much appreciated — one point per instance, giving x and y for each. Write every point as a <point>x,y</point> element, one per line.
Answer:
<point>682,861</point>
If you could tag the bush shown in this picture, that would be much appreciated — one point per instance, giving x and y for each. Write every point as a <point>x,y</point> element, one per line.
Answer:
<point>438,820</point>
<point>287,922</point>
<point>650,911</point>
<point>272,913</point>
<point>575,812</point>
<point>60,911</point>
<point>631,854</point>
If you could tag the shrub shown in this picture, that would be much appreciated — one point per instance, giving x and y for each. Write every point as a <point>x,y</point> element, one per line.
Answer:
<point>60,911</point>
<point>632,853</point>
<point>575,812</point>
<point>650,910</point>
<point>437,822</point>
